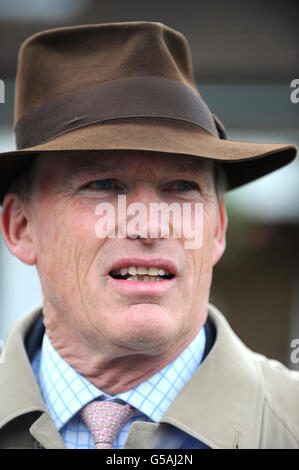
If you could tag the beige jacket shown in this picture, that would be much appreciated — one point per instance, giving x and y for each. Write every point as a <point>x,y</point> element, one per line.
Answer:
<point>236,399</point>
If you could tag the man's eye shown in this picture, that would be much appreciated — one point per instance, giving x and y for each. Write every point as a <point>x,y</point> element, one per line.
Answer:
<point>182,185</point>
<point>103,185</point>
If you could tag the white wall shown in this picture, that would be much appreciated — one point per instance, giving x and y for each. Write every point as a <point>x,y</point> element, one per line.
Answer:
<point>19,289</point>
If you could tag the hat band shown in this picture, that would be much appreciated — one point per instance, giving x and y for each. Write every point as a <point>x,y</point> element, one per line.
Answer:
<point>147,97</point>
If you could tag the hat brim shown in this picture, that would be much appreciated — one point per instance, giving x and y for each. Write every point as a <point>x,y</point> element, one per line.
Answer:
<point>242,161</point>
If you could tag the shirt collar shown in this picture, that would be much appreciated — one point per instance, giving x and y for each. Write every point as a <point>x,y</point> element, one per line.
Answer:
<point>155,395</point>
<point>65,391</point>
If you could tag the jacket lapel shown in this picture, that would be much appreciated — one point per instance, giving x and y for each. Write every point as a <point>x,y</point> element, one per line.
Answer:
<point>222,403</point>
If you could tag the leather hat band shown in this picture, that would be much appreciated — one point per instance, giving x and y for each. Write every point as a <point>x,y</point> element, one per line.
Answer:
<point>149,97</point>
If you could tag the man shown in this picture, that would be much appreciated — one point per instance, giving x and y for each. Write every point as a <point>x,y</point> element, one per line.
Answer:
<point>126,351</point>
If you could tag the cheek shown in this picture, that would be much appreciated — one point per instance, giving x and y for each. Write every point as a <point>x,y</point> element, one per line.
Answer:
<point>210,218</point>
<point>202,258</point>
<point>65,242</point>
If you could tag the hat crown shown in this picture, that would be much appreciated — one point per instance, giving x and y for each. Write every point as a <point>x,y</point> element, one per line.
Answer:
<point>61,61</point>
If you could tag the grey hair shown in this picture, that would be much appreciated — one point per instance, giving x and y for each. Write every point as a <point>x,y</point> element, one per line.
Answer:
<point>220,180</point>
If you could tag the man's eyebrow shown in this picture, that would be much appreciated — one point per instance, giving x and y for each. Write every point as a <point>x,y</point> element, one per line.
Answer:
<point>77,168</point>
<point>96,165</point>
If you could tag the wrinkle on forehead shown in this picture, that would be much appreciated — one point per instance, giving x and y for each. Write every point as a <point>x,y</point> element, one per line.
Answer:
<point>64,167</point>
<point>109,161</point>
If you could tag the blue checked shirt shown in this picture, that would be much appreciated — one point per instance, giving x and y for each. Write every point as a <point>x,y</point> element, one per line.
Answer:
<point>65,392</point>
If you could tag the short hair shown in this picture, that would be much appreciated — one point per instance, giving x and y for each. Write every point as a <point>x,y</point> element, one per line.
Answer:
<point>220,180</point>
<point>23,185</point>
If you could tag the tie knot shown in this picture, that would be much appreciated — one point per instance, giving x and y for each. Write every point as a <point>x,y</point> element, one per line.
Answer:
<point>105,419</point>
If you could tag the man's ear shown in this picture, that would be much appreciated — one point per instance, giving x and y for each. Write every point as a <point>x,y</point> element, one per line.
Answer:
<point>16,229</point>
<point>220,233</point>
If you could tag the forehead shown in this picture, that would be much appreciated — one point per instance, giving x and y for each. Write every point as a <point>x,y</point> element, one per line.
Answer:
<point>80,162</point>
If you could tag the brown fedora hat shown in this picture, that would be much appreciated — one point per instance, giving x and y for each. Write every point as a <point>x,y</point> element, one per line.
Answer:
<point>121,86</point>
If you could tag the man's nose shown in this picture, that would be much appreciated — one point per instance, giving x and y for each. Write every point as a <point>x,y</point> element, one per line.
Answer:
<point>142,208</point>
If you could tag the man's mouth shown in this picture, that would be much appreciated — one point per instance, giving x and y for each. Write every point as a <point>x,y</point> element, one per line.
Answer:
<point>141,274</point>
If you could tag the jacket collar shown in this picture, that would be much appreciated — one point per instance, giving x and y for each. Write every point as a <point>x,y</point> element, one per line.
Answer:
<point>19,392</point>
<point>222,403</point>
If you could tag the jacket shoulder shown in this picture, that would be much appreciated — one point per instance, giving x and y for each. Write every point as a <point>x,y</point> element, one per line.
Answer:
<point>261,392</point>
<point>281,402</point>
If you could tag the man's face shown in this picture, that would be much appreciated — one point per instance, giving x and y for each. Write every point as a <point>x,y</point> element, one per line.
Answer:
<point>86,295</point>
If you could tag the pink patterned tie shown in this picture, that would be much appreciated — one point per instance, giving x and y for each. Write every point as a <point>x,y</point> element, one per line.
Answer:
<point>105,419</point>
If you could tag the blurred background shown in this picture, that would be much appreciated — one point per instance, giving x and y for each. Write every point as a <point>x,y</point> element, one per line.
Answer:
<point>245,56</point>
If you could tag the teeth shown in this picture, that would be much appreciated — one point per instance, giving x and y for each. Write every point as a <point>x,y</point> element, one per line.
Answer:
<point>132,270</point>
<point>142,270</point>
<point>142,273</point>
<point>152,271</point>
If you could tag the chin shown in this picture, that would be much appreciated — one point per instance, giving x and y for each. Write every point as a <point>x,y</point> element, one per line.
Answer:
<point>142,327</point>
<point>146,345</point>
<point>153,338</point>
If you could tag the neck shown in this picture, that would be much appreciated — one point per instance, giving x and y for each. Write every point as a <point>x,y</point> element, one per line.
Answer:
<point>111,367</point>
<point>119,374</point>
